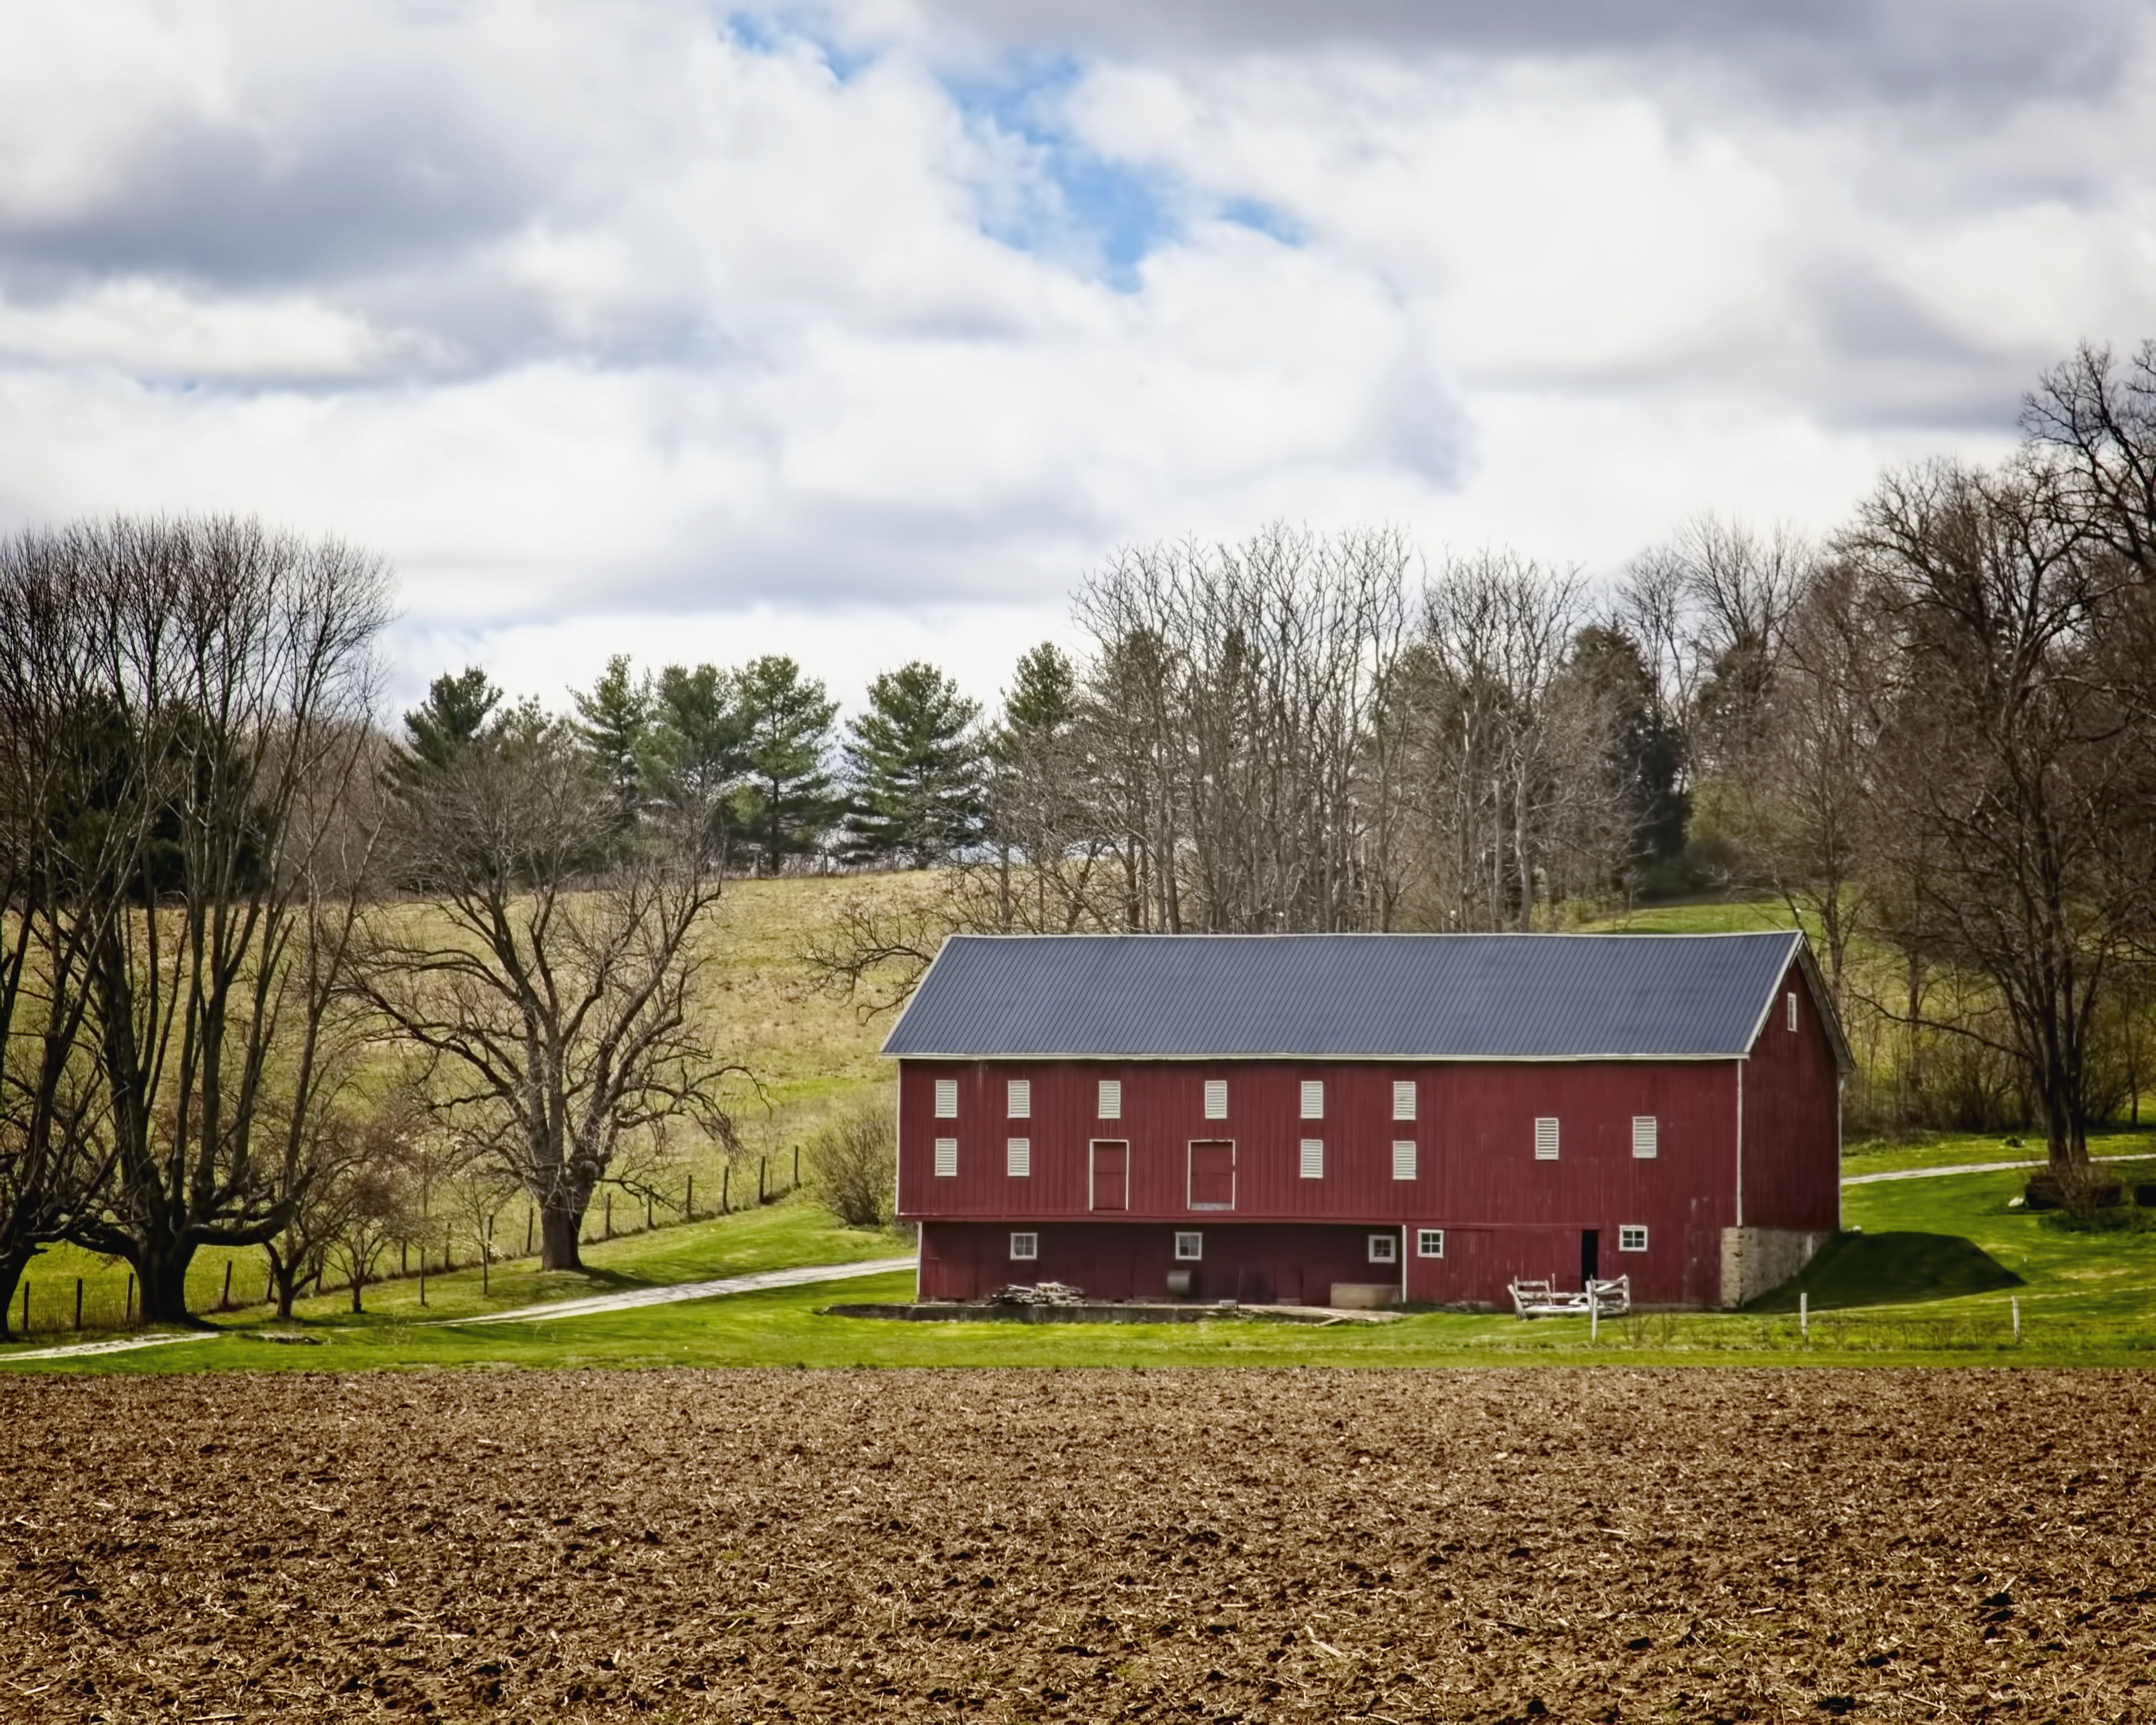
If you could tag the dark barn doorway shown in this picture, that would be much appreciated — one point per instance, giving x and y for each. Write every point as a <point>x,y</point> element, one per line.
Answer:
<point>1590,1256</point>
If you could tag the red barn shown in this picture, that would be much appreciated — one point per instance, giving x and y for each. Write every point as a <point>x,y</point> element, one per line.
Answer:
<point>1328,1119</point>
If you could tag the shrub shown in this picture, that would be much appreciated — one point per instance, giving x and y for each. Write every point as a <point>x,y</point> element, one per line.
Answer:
<point>854,1166</point>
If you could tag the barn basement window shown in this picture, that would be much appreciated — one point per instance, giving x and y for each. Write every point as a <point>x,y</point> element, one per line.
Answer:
<point>1384,1249</point>
<point>1314,1099</point>
<point>1645,1134</point>
<point>947,1099</point>
<point>1403,1099</point>
<point>1024,1248</point>
<point>1546,1139</point>
<point>1111,1099</point>
<point>1216,1099</point>
<point>1017,1159</point>
<point>1793,1010</point>
<point>1018,1099</point>
<point>946,1158</point>
<point>1313,1159</point>
<point>1631,1239</point>
<point>1403,1159</point>
<point>1190,1248</point>
<point>1429,1243</point>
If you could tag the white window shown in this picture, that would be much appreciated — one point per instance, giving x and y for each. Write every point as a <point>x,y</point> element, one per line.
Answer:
<point>1111,1099</point>
<point>1631,1239</point>
<point>1429,1243</point>
<point>1403,1159</point>
<point>1403,1099</point>
<point>1645,1137</point>
<point>1025,1247</point>
<point>1190,1248</point>
<point>1793,1012</point>
<point>1017,1159</point>
<point>1018,1099</point>
<point>946,1158</point>
<point>947,1099</point>
<point>1216,1099</point>
<point>1314,1099</point>
<point>1313,1159</point>
<point>1384,1249</point>
<point>1546,1139</point>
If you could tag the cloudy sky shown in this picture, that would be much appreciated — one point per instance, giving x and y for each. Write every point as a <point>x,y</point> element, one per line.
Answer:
<point>864,330</point>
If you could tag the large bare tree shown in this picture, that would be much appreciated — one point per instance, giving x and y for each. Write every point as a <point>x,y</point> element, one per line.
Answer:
<point>545,962</point>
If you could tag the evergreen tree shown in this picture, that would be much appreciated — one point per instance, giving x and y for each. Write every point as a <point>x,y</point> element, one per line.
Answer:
<point>614,722</point>
<point>915,771</point>
<point>696,757</point>
<point>454,715</point>
<point>786,806</point>
<point>1042,702</point>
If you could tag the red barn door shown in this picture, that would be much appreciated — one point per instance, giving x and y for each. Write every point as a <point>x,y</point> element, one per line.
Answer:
<point>1212,1174</point>
<point>1111,1174</point>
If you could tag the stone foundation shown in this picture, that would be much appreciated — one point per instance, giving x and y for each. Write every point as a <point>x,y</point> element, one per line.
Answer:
<point>1757,1259</point>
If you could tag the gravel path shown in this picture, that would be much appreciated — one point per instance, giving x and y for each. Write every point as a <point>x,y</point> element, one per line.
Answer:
<point>127,1344</point>
<point>635,1297</point>
<point>1960,1168</point>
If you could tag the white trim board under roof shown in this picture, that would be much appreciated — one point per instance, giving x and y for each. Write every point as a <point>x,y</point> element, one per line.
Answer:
<point>1376,996</point>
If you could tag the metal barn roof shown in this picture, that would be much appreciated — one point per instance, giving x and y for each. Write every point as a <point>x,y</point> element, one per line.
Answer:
<point>1543,996</point>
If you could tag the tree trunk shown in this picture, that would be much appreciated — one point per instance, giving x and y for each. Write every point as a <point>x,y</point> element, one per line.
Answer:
<point>558,1245</point>
<point>13,1263</point>
<point>162,1269</point>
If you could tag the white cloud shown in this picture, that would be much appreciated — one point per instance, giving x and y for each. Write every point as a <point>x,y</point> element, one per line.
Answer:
<point>642,327</point>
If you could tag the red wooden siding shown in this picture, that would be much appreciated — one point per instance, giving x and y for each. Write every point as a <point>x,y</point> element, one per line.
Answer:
<point>1793,1119</point>
<point>1257,1264</point>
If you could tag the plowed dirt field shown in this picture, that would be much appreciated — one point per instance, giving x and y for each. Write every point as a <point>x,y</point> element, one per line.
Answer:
<point>1161,1545</point>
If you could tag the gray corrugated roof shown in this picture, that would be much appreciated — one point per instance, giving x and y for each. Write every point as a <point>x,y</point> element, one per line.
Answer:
<point>1357,996</point>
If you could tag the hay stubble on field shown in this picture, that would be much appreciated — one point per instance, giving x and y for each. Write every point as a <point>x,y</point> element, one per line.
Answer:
<point>1224,1546</point>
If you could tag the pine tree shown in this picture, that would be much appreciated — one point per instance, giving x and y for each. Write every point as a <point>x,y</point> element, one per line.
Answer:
<point>696,757</point>
<point>786,805</point>
<point>613,722</point>
<point>454,715</point>
<point>914,766</point>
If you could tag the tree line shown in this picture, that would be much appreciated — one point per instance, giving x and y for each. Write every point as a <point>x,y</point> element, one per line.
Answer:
<point>269,966</point>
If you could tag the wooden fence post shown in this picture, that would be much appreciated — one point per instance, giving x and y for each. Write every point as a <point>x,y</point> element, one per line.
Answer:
<point>763,1169</point>
<point>128,1322</point>
<point>689,1204</point>
<point>224,1300</point>
<point>78,1302</point>
<point>647,1213</point>
<point>486,1258</point>
<point>797,1168</point>
<point>725,1185</point>
<point>610,1216</point>
<point>528,1214</point>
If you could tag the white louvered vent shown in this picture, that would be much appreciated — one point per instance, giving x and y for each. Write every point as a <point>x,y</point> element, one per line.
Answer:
<point>1403,1099</point>
<point>1403,1159</point>
<point>1111,1099</point>
<point>947,1099</point>
<point>1546,1139</point>
<point>1017,1159</point>
<point>1645,1138</point>
<point>946,1158</point>
<point>1793,1012</point>
<point>1314,1099</point>
<point>1216,1099</point>
<point>1017,1103</point>
<point>1313,1159</point>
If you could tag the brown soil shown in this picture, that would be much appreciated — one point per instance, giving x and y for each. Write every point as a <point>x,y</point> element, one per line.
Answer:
<point>1092,1545</point>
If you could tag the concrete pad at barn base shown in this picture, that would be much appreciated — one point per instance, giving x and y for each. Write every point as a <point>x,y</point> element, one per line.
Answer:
<point>1102,1311</point>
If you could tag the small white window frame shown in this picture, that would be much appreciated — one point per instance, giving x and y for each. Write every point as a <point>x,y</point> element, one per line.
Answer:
<point>947,1099</point>
<point>946,1158</point>
<point>1018,1099</point>
<point>1430,1242</point>
<point>1216,1099</point>
<point>1403,1099</point>
<point>1314,1099</point>
<point>1547,1135</point>
<point>1190,1248</point>
<point>1310,1158</point>
<point>1793,1009</point>
<point>1024,1248</point>
<point>1111,1099</point>
<point>1631,1237</point>
<point>1017,1159</point>
<point>1646,1137</point>
<point>1385,1249</point>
